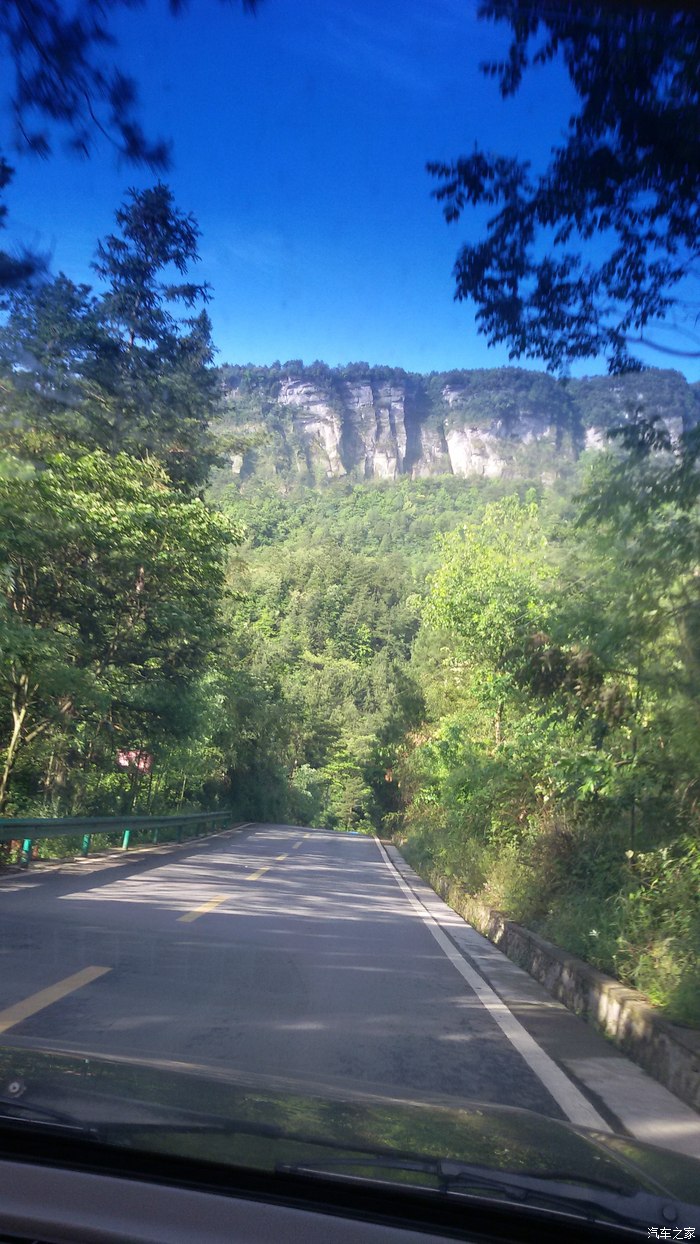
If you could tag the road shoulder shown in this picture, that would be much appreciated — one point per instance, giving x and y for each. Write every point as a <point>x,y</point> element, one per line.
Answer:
<point>626,1097</point>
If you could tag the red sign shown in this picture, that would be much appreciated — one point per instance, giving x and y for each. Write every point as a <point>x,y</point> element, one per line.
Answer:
<point>134,758</point>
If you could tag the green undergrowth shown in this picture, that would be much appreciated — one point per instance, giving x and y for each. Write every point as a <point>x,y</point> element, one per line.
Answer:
<point>632,915</point>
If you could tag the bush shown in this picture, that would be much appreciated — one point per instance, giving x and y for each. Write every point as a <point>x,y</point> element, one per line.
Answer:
<point>658,945</point>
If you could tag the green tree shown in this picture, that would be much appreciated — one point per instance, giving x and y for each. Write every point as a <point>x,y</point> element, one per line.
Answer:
<point>61,79</point>
<point>50,347</point>
<point>120,371</point>
<point>625,179</point>
<point>111,584</point>
<point>156,368</point>
<point>490,592</point>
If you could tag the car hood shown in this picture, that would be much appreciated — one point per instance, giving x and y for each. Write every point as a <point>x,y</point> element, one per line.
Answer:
<point>219,1116</point>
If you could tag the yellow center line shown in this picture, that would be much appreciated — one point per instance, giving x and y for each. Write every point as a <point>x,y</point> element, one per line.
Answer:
<point>202,911</point>
<point>256,876</point>
<point>298,844</point>
<point>45,997</point>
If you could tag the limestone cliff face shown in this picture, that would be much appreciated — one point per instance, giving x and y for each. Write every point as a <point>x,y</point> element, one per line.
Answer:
<point>474,452</point>
<point>488,447</point>
<point>359,429</point>
<point>376,428</point>
<point>317,423</point>
<point>433,457</point>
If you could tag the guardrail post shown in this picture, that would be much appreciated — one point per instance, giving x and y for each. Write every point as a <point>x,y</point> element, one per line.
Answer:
<point>186,826</point>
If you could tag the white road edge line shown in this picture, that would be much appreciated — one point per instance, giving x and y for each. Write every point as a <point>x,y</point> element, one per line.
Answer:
<point>573,1103</point>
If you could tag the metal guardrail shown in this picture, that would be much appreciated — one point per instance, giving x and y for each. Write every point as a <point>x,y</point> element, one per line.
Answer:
<point>29,830</point>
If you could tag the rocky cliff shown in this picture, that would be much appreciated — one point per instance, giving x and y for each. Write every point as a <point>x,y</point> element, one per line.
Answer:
<point>315,423</point>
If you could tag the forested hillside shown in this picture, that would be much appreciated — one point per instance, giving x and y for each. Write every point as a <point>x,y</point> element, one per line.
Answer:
<point>499,668</point>
<point>505,680</point>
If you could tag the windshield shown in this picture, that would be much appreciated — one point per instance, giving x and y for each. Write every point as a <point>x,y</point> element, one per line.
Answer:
<point>349,644</point>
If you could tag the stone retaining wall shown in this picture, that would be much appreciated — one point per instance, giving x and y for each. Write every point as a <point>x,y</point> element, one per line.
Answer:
<point>666,1051</point>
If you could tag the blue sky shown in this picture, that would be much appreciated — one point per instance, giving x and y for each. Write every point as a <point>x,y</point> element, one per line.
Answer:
<point>300,140</point>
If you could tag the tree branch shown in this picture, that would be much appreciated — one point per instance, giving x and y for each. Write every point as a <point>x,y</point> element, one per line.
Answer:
<point>656,345</point>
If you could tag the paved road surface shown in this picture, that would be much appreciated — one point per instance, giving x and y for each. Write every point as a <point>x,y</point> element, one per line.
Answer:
<point>295,954</point>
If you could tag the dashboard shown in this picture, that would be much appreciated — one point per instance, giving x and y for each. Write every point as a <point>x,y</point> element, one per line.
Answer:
<point>48,1202</point>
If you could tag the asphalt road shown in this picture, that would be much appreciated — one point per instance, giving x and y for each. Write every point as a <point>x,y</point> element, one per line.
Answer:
<point>278,952</point>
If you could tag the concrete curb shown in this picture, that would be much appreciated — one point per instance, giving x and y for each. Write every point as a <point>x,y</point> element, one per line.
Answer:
<point>669,1053</point>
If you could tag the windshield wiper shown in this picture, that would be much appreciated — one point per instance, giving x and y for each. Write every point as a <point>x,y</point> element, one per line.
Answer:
<point>40,1116</point>
<point>595,1203</point>
<point>122,1117</point>
<point>105,1118</point>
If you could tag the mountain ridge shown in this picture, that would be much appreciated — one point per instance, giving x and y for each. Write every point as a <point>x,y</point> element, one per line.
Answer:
<point>316,423</point>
